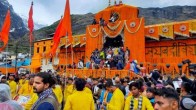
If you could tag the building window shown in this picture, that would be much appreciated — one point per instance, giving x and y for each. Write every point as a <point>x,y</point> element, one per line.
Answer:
<point>37,49</point>
<point>44,42</point>
<point>44,48</point>
<point>37,43</point>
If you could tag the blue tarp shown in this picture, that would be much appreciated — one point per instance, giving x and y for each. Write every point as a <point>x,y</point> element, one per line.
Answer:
<point>26,62</point>
<point>8,65</point>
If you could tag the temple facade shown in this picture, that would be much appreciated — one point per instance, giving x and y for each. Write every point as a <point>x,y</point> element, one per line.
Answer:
<point>119,25</point>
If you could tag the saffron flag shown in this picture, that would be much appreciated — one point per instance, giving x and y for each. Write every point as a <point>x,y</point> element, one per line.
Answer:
<point>30,23</point>
<point>56,38</point>
<point>4,35</point>
<point>67,22</point>
<point>63,29</point>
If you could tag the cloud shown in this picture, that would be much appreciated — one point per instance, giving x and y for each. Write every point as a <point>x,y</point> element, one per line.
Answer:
<point>49,11</point>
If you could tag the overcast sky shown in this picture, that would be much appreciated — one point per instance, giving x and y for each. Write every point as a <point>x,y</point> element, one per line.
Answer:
<point>49,11</point>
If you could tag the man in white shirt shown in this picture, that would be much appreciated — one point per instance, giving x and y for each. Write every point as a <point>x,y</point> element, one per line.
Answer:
<point>80,64</point>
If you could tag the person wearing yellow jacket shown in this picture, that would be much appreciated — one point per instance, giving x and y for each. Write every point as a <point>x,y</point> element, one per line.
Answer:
<point>58,93</point>
<point>137,101</point>
<point>27,88</point>
<point>31,101</point>
<point>117,100</point>
<point>23,80</point>
<point>69,89</point>
<point>13,85</point>
<point>87,90</point>
<point>80,100</point>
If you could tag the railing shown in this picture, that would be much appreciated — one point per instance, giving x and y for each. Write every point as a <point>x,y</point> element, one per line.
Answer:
<point>95,73</point>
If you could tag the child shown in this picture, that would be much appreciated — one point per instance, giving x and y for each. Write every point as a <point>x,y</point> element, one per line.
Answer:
<point>150,95</point>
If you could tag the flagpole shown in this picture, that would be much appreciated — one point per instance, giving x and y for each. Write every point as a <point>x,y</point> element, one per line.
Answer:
<point>6,61</point>
<point>30,52</point>
<point>66,53</point>
<point>65,59</point>
<point>72,54</point>
<point>30,26</point>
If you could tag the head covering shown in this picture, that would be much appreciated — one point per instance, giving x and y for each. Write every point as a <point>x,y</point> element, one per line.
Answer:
<point>1,77</point>
<point>4,93</point>
<point>10,105</point>
<point>187,103</point>
<point>5,99</point>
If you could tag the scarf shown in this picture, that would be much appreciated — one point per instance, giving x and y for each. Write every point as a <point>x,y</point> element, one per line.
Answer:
<point>139,103</point>
<point>42,96</point>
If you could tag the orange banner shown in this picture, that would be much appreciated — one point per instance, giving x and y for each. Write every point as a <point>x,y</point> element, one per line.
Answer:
<point>93,39</point>
<point>192,25</point>
<point>83,40</point>
<point>166,31</point>
<point>93,30</point>
<point>76,40</point>
<point>152,32</point>
<point>134,39</point>
<point>182,29</point>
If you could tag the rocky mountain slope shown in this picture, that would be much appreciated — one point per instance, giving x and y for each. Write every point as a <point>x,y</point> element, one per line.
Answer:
<point>18,28</point>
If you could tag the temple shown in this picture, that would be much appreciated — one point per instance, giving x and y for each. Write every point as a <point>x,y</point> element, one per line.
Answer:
<point>162,46</point>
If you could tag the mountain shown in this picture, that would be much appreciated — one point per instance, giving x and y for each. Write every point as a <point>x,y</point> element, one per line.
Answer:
<point>36,25</point>
<point>18,29</point>
<point>151,15</point>
<point>167,14</point>
<point>79,23</point>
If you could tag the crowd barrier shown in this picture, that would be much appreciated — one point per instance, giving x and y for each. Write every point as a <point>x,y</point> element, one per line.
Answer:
<point>95,73</point>
<point>172,70</point>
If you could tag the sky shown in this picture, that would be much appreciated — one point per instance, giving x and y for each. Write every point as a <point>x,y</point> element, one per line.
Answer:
<point>48,11</point>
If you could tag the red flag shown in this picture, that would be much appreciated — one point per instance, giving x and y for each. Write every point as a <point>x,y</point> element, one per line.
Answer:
<point>56,38</point>
<point>63,29</point>
<point>67,21</point>
<point>4,35</point>
<point>30,23</point>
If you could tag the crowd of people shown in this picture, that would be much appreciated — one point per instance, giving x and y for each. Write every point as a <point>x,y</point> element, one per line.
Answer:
<point>112,58</point>
<point>49,91</point>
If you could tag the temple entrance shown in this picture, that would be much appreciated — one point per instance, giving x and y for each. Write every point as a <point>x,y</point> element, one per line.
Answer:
<point>113,42</point>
